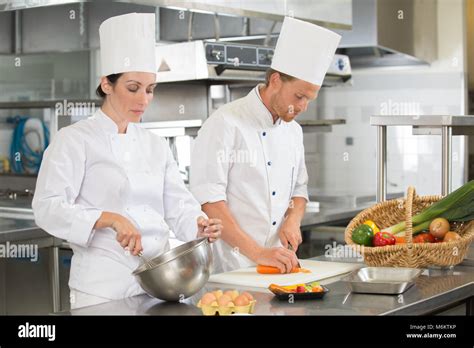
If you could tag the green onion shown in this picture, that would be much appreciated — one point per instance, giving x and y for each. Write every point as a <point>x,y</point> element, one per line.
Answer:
<point>457,206</point>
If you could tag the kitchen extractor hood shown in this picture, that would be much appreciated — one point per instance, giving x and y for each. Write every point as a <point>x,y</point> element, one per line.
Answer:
<point>228,62</point>
<point>387,33</point>
<point>332,14</point>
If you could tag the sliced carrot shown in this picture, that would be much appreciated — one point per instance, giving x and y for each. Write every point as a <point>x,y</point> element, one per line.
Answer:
<point>262,269</point>
<point>267,269</point>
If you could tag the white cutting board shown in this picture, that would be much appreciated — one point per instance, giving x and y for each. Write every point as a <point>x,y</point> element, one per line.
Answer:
<point>249,276</point>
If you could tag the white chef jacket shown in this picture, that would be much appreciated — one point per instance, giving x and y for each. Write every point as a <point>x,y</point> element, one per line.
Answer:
<point>90,168</point>
<point>240,156</point>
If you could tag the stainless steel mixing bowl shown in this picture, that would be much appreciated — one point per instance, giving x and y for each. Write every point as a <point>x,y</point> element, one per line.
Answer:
<point>178,273</point>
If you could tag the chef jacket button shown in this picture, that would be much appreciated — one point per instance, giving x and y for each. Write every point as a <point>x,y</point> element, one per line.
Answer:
<point>274,193</point>
<point>264,133</point>
<point>274,223</point>
<point>269,163</point>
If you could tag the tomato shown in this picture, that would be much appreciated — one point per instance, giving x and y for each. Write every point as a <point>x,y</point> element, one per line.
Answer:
<point>424,238</point>
<point>300,289</point>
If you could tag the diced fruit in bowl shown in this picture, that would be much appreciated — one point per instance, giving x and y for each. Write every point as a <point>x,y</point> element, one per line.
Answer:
<point>300,289</point>
<point>301,292</point>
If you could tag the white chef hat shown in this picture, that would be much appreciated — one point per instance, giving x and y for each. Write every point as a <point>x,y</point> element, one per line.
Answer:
<point>127,43</point>
<point>304,50</point>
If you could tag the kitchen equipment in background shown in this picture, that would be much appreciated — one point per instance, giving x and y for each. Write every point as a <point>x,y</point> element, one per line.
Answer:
<point>250,277</point>
<point>178,273</point>
<point>228,62</point>
<point>26,151</point>
<point>382,280</point>
<point>391,33</point>
<point>178,134</point>
<point>312,207</point>
<point>15,194</point>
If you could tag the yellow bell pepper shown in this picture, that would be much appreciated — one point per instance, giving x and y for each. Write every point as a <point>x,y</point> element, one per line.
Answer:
<point>372,225</point>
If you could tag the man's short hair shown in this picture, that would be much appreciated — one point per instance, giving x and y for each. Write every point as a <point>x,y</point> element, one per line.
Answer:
<point>284,77</point>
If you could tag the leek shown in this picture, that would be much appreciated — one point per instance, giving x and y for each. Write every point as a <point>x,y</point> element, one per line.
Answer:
<point>457,206</point>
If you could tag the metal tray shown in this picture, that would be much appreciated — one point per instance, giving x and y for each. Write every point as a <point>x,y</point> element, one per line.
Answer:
<point>382,280</point>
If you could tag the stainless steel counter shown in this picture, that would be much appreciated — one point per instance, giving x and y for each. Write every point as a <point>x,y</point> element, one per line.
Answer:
<point>17,226</point>
<point>17,223</point>
<point>434,290</point>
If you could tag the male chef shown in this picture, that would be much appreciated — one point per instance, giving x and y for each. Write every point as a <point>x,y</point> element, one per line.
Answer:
<point>248,166</point>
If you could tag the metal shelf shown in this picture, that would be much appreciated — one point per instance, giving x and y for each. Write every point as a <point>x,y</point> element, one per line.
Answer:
<point>320,126</point>
<point>444,125</point>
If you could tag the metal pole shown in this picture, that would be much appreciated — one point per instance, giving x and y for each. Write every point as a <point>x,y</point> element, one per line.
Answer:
<point>381,163</point>
<point>54,274</point>
<point>446,163</point>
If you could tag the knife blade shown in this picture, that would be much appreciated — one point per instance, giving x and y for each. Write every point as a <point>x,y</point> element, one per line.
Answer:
<point>291,248</point>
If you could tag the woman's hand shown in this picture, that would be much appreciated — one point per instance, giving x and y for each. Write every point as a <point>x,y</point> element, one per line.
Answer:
<point>212,229</point>
<point>127,234</point>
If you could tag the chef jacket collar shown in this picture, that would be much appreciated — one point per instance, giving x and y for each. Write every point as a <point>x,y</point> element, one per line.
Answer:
<point>261,112</point>
<point>109,125</point>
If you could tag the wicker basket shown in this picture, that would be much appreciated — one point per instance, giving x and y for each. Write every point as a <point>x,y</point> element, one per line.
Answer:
<point>417,255</point>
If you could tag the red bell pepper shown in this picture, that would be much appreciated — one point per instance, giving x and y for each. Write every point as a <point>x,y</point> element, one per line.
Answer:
<point>383,239</point>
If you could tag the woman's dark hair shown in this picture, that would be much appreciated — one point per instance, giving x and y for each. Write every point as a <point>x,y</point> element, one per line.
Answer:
<point>112,79</point>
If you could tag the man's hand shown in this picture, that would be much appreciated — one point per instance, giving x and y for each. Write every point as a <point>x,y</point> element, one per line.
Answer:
<point>282,258</point>
<point>290,233</point>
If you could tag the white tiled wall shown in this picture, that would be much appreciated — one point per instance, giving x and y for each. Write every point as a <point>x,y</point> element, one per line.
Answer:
<point>412,160</point>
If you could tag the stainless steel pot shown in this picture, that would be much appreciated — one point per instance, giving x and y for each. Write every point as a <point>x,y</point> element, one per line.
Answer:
<point>178,273</point>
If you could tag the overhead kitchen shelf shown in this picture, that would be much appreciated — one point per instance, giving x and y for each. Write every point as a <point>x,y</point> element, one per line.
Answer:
<point>333,14</point>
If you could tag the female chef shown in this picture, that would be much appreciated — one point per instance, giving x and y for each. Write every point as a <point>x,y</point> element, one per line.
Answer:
<point>110,188</point>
